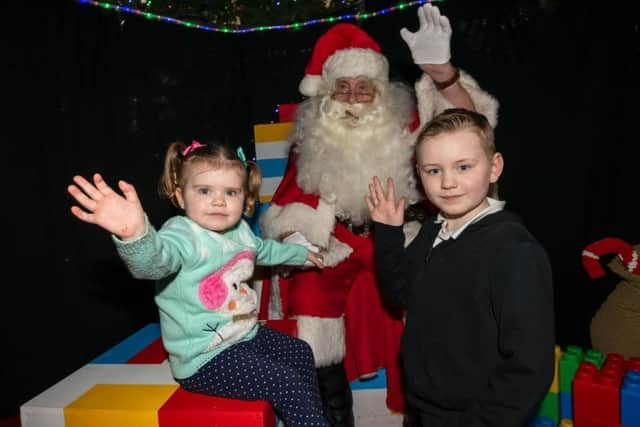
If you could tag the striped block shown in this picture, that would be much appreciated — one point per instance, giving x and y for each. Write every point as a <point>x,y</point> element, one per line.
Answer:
<point>272,152</point>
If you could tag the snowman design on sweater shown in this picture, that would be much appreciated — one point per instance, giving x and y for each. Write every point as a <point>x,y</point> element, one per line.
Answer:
<point>227,292</point>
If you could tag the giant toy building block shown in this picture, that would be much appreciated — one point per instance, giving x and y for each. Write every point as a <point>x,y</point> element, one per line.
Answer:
<point>630,395</point>
<point>131,385</point>
<point>542,422</point>
<point>550,406</point>
<point>272,152</point>
<point>605,391</point>
<point>569,363</point>
<point>596,393</point>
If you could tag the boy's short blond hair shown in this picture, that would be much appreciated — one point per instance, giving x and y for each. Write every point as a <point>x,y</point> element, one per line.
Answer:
<point>455,119</point>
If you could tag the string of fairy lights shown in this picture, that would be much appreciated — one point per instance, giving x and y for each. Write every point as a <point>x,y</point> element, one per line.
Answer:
<point>244,30</point>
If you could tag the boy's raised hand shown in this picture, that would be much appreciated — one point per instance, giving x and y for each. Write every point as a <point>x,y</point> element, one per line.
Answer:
<point>383,207</point>
<point>121,216</point>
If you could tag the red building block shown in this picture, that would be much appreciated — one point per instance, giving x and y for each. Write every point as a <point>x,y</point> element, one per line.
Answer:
<point>634,364</point>
<point>185,409</point>
<point>286,112</point>
<point>154,353</point>
<point>596,393</point>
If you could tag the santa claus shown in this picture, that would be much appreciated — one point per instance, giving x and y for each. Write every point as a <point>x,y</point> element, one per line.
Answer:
<point>354,125</point>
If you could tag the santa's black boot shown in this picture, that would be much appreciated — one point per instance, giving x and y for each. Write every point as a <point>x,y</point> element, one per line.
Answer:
<point>335,390</point>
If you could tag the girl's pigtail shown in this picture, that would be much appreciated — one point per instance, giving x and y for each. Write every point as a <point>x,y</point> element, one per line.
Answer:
<point>172,172</point>
<point>254,180</point>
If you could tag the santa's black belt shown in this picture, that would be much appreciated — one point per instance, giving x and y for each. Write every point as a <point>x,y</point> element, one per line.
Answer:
<point>360,230</point>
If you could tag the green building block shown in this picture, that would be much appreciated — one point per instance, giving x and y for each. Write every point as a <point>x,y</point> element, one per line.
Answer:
<point>569,363</point>
<point>550,407</point>
<point>594,356</point>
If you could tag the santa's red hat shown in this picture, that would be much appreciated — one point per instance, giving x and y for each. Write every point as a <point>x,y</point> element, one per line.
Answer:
<point>592,253</point>
<point>345,50</point>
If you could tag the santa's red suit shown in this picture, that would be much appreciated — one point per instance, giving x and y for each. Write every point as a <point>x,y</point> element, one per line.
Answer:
<point>336,149</point>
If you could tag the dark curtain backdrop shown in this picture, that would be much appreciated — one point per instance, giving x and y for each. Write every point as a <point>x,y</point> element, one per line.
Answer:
<point>91,90</point>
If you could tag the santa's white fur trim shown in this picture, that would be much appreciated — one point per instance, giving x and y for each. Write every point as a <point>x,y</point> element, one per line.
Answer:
<point>350,63</point>
<point>316,225</point>
<point>336,252</point>
<point>431,102</point>
<point>312,85</point>
<point>325,336</point>
<point>353,63</point>
<point>275,301</point>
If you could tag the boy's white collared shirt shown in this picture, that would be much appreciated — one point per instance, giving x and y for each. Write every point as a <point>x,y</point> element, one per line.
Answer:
<point>444,234</point>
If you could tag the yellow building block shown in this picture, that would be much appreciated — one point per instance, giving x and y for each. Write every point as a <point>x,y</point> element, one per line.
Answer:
<point>565,422</point>
<point>272,132</point>
<point>110,405</point>
<point>555,384</point>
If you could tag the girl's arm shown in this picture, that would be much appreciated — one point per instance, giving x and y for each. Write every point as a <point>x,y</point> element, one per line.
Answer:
<point>147,254</point>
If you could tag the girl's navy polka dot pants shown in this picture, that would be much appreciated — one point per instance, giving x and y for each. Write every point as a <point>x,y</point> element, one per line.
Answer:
<point>272,366</point>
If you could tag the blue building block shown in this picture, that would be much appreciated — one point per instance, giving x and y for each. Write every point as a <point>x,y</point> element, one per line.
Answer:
<point>566,406</point>
<point>542,422</point>
<point>130,346</point>
<point>378,381</point>
<point>630,400</point>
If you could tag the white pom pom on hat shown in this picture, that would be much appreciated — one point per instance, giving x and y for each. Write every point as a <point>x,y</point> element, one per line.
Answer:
<point>345,50</point>
<point>592,253</point>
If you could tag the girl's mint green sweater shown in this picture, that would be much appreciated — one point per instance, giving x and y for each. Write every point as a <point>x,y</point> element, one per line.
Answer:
<point>206,305</point>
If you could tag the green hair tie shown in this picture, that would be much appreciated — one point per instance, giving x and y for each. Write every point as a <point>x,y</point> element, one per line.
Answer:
<point>241,155</point>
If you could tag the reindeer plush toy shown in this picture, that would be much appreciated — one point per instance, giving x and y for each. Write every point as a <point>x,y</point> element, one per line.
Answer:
<point>615,328</point>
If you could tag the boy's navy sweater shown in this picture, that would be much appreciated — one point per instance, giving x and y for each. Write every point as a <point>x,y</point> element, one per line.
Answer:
<point>479,336</point>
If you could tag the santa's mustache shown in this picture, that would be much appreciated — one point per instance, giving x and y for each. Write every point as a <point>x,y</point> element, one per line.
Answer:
<point>353,114</point>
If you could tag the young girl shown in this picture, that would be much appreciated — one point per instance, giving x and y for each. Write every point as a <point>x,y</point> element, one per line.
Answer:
<point>208,313</point>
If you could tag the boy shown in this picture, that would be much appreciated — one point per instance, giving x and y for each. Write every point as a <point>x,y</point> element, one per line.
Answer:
<point>478,345</point>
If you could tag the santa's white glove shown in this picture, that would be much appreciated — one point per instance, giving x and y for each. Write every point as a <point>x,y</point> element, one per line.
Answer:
<point>299,239</point>
<point>431,43</point>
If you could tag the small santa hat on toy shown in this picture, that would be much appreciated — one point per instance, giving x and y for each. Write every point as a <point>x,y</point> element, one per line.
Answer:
<point>345,50</point>
<point>592,253</point>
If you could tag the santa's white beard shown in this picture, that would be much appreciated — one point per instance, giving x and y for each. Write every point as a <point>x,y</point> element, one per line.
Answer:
<point>339,154</point>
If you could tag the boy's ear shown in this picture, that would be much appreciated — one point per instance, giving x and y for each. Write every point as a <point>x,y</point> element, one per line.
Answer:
<point>497,165</point>
<point>179,198</point>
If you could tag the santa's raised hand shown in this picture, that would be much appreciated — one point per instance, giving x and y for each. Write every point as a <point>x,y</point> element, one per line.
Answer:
<point>383,205</point>
<point>431,43</point>
<point>121,216</point>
